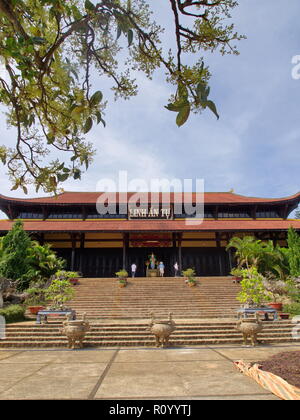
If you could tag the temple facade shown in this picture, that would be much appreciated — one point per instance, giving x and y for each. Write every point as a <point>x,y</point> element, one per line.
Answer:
<point>98,244</point>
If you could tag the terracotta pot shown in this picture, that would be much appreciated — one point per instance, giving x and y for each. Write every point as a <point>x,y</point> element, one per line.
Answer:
<point>277,306</point>
<point>122,284</point>
<point>191,284</point>
<point>35,309</point>
<point>284,316</point>
<point>74,281</point>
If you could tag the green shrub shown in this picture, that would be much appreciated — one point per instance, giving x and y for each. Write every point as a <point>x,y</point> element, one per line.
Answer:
<point>65,275</point>
<point>59,292</point>
<point>15,245</point>
<point>122,274</point>
<point>35,297</point>
<point>13,313</point>
<point>292,308</point>
<point>253,291</point>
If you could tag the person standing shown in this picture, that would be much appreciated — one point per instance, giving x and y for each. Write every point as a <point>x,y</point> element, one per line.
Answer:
<point>176,268</point>
<point>161,268</point>
<point>133,270</point>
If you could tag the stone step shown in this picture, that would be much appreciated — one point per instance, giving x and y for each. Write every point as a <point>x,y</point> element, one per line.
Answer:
<point>205,314</point>
<point>137,343</point>
<point>142,336</point>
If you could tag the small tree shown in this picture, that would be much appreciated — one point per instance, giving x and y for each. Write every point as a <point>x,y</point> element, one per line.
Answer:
<point>253,290</point>
<point>190,275</point>
<point>14,263</point>
<point>43,261</point>
<point>293,252</point>
<point>59,292</point>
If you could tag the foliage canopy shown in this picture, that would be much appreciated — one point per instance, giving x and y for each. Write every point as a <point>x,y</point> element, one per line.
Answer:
<point>51,50</point>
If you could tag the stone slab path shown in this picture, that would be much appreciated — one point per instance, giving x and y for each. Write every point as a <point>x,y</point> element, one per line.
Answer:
<point>143,374</point>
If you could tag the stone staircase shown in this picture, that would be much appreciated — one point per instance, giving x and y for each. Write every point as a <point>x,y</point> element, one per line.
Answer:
<point>204,314</point>
<point>212,297</point>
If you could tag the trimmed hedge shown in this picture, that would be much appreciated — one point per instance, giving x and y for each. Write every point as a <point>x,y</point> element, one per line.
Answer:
<point>13,313</point>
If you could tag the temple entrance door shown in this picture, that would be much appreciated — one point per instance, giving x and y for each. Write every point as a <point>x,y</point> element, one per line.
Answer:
<point>139,256</point>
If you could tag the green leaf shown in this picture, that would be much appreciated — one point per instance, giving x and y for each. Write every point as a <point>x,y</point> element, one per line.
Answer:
<point>183,115</point>
<point>202,91</point>
<point>182,91</point>
<point>77,174</point>
<point>62,177</point>
<point>88,125</point>
<point>96,98</point>
<point>130,37</point>
<point>174,107</point>
<point>50,139</point>
<point>89,6</point>
<point>213,108</point>
<point>38,40</point>
<point>119,31</point>
<point>178,105</point>
<point>76,112</point>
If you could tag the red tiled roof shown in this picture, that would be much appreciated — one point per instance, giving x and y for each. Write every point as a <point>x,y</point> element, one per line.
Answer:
<point>151,225</point>
<point>91,198</point>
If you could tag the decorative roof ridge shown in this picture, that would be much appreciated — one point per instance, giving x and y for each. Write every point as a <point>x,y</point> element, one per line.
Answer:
<point>228,193</point>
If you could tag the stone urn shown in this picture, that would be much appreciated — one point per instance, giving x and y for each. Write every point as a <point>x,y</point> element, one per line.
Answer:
<point>162,330</point>
<point>250,327</point>
<point>75,331</point>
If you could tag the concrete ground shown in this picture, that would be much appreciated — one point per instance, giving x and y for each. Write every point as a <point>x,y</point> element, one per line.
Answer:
<point>131,373</point>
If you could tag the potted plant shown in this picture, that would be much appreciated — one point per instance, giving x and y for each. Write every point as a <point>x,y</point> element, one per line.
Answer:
<point>190,276</point>
<point>237,275</point>
<point>253,293</point>
<point>35,300</point>
<point>277,290</point>
<point>59,292</point>
<point>72,276</point>
<point>122,276</point>
<point>284,315</point>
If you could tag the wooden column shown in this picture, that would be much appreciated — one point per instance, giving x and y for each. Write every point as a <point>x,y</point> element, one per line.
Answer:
<point>73,240</point>
<point>82,240</point>
<point>179,252</point>
<point>174,247</point>
<point>229,252</point>
<point>218,243</point>
<point>125,246</point>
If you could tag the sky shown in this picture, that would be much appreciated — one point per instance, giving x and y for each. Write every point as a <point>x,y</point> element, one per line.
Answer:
<point>254,148</point>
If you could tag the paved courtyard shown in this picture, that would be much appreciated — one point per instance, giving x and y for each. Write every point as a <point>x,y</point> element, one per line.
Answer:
<point>125,373</point>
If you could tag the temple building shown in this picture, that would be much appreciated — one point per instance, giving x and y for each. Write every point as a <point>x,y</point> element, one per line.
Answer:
<point>98,244</point>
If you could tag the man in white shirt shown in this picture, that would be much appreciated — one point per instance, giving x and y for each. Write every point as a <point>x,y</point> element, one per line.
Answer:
<point>176,268</point>
<point>133,269</point>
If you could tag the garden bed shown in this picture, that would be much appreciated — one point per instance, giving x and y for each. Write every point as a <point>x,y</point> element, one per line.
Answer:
<point>279,374</point>
<point>286,365</point>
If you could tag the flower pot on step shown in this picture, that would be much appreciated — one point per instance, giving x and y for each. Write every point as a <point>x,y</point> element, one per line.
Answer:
<point>74,281</point>
<point>35,309</point>
<point>284,315</point>
<point>277,306</point>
